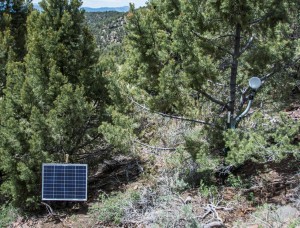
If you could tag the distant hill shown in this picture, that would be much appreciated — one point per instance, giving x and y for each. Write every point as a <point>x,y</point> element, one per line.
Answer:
<point>89,9</point>
<point>107,27</point>
<point>106,9</point>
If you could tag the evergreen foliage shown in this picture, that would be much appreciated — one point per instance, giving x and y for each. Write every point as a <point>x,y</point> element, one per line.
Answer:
<point>54,101</point>
<point>194,58</point>
<point>5,54</point>
<point>269,139</point>
<point>13,16</point>
<point>17,11</point>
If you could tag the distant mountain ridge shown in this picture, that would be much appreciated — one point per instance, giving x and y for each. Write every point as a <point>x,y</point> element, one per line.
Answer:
<point>106,9</point>
<point>90,9</point>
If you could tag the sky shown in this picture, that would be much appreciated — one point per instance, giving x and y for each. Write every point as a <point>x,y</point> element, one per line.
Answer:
<point>108,3</point>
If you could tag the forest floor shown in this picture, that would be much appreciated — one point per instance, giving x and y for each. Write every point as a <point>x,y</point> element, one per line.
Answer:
<point>164,189</point>
<point>271,200</point>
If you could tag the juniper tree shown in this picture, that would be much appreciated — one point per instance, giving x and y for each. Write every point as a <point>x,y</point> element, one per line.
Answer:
<point>195,57</point>
<point>13,15</point>
<point>53,103</point>
<point>17,11</point>
<point>5,53</point>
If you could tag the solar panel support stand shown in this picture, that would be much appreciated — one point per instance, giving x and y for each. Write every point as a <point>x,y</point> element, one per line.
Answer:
<point>66,158</point>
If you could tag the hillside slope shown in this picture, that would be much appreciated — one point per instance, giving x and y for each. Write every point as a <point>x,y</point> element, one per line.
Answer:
<point>107,27</point>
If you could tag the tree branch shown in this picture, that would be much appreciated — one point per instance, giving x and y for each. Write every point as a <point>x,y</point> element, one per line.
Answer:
<point>172,116</point>
<point>211,43</point>
<point>212,98</point>
<point>278,69</point>
<point>258,20</point>
<point>264,78</point>
<point>247,45</point>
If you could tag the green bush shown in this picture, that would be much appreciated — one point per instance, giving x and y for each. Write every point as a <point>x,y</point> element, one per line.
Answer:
<point>235,181</point>
<point>207,190</point>
<point>112,209</point>
<point>205,146</point>
<point>271,139</point>
<point>8,214</point>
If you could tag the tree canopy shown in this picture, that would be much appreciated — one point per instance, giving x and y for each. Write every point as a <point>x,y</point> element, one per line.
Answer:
<point>54,101</point>
<point>195,58</point>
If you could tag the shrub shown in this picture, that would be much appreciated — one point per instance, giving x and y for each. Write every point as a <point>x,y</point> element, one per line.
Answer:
<point>8,214</point>
<point>112,209</point>
<point>269,139</point>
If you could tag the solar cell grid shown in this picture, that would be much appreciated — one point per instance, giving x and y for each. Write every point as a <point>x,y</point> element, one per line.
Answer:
<point>67,182</point>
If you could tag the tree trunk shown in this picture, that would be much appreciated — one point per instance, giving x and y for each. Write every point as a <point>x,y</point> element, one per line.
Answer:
<point>233,74</point>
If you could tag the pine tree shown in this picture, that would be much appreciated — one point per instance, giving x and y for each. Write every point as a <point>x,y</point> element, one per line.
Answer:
<point>195,57</point>
<point>54,101</point>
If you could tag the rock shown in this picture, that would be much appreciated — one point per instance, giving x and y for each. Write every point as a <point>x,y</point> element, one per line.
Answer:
<point>188,200</point>
<point>287,213</point>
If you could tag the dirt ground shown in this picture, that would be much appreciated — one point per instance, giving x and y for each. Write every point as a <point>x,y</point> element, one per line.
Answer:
<point>237,206</point>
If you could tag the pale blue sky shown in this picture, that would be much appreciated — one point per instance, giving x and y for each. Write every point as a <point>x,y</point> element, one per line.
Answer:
<point>108,3</point>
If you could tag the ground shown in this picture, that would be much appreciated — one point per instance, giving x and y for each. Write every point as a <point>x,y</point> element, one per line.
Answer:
<point>270,198</point>
<point>157,189</point>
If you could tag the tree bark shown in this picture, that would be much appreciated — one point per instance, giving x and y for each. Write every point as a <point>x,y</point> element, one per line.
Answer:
<point>234,71</point>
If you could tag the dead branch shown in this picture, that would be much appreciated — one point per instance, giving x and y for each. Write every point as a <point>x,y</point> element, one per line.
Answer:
<point>51,212</point>
<point>212,209</point>
<point>49,209</point>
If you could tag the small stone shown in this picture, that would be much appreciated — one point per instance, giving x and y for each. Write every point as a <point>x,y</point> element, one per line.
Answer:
<point>188,200</point>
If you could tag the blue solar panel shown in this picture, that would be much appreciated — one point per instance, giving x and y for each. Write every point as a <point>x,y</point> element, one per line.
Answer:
<point>67,182</point>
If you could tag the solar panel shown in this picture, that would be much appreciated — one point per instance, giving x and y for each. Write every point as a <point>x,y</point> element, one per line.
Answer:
<point>66,182</point>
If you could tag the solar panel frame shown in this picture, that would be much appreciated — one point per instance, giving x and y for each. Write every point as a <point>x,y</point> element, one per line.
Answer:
<point>74,188</point>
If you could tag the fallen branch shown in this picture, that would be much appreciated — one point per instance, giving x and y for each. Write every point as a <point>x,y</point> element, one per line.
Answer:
<point>49,209</point>
<point>51,212</point>
<point>212,209</point>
